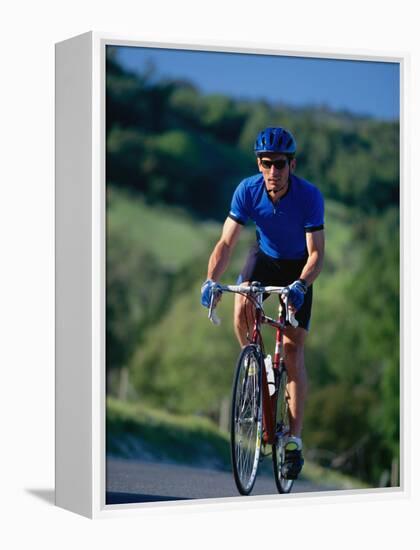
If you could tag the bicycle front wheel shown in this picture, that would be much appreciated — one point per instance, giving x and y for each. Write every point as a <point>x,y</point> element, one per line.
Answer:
<point>282,430</point>
<point>246,418</point>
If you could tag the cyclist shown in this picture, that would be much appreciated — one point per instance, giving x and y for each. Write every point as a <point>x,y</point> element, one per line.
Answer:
<point>288,212</point>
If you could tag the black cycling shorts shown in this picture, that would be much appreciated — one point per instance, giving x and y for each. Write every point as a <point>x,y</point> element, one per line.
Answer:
<point>273,272</point>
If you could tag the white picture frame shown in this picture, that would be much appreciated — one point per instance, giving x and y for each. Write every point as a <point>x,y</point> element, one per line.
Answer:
<point>80,274</point>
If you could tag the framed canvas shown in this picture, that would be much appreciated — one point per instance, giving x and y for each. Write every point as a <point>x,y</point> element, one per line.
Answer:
<point>152,142</point>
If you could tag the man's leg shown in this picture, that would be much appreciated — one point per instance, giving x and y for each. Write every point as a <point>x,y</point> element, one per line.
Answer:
<point>243,318</point>
<point>294,340</point>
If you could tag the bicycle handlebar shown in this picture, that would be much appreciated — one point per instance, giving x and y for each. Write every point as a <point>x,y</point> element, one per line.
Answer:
<point>251,289</point>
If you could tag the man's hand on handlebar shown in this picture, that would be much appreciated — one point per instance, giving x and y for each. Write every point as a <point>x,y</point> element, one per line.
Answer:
<point>295,295</point>
<point>207,289</point>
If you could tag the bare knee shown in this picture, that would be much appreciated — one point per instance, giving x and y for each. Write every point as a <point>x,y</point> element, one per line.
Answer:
<point>239,311</point>
<point>243,318</point>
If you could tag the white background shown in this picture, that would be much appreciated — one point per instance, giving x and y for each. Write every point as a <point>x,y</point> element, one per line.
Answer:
<point>28,33</point>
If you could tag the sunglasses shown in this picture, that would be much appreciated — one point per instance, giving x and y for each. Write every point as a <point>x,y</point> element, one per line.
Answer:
<point>278,164</point>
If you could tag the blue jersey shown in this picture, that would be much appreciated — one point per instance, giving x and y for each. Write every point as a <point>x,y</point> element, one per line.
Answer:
<point>281,227</point>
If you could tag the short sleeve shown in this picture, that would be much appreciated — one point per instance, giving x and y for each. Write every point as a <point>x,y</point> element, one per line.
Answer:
<point>314,216</point>
<point>238,208</point>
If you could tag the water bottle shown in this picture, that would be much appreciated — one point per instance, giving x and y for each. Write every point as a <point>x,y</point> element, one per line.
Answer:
<point>270,374</point>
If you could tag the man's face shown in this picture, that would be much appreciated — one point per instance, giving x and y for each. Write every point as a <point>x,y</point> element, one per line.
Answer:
<point>276,177</point>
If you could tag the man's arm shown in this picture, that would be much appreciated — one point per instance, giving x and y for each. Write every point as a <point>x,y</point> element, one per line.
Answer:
<point>219,259</point>
<point>315,243</point>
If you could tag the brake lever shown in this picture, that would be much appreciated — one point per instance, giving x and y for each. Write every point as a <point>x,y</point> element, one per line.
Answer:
<point>290,316</point>
<point>214,318</point>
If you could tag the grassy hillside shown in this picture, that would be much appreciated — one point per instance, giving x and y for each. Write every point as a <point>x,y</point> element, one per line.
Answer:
<point>137,431</point>
<point>169,234</point>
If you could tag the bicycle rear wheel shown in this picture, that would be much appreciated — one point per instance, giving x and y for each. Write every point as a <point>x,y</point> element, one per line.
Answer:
<point>246,418</point>
<point>282,429</point>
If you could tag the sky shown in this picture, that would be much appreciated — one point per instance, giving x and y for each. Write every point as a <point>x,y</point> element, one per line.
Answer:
<point>361,87</point>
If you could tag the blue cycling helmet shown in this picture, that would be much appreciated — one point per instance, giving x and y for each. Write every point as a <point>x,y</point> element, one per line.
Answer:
<point>275,140</point>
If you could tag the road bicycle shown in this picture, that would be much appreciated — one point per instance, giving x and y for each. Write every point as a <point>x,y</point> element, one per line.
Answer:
<point>259,417</point>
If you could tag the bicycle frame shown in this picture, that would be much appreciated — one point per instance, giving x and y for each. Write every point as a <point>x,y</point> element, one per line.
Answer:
<point>269,401</point>
<point>256,298</point>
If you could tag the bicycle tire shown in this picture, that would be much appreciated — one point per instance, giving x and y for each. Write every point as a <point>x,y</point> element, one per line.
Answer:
<point>282,427</point>
<point>246,418</point>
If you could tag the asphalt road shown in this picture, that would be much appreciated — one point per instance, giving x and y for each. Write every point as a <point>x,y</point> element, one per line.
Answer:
<point>130,481</point>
